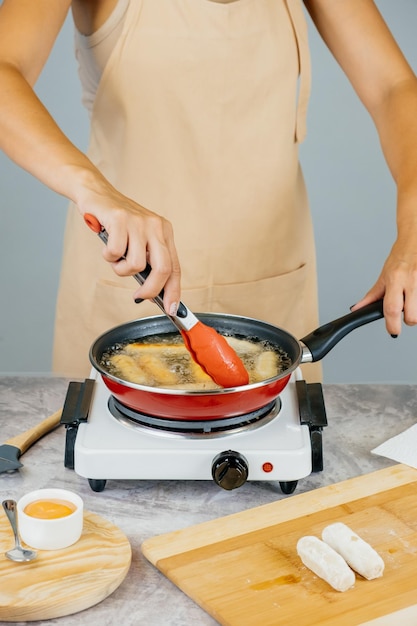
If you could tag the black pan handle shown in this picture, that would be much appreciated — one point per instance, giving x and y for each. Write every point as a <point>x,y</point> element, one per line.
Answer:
<point>324,338</point>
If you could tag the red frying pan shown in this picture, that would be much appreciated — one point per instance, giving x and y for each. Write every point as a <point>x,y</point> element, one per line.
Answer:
<point>222,403</point>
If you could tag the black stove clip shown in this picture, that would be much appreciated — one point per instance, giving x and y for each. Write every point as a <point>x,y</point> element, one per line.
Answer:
<point>76,408</point>
<point>313,414</point>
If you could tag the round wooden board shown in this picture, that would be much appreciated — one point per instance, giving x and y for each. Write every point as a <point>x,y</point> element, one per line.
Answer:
<point>62,582</point>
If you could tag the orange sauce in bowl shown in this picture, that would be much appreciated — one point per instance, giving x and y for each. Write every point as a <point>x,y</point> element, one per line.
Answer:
<point>49,509</point>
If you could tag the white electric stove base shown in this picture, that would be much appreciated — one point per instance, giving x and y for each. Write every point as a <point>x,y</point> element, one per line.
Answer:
<point>108,449</point>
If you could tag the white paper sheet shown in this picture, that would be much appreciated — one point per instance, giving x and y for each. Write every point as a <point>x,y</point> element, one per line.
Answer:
<point>401,448</point>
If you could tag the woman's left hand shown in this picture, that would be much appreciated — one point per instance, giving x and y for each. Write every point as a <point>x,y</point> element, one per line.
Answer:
<point>397,284</point>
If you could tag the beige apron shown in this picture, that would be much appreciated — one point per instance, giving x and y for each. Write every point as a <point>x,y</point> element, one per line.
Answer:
<point>198,117</point>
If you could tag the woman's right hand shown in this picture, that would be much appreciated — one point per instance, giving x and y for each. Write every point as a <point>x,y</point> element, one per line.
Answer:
<point>138,235</point>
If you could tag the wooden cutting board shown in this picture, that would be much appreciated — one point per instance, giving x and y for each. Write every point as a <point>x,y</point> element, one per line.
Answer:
<point>62,582</point>
<point>243,569</point>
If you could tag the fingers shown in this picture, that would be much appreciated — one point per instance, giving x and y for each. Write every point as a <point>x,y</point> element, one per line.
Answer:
<point>398,287</point>
<point>126,244</point>
<point>400,275</point>
<point>393,310</point>
<point>410,307</point>
<point>136,238</point>
<point>166,271</point>
<point>172,293</point>
<point>400,299</point>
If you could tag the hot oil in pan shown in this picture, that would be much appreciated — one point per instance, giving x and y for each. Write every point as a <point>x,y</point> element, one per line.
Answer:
<point>163,361</point>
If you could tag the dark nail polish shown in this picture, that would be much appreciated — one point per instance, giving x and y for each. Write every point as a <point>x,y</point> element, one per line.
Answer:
<point>394,336</point>
<point>138,300</point>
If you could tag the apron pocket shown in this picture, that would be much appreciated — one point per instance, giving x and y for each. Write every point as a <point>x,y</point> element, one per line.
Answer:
<point>113,305</point>
<point>278,300</point>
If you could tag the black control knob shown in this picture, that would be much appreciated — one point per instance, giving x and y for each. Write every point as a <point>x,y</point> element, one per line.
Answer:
<point>229,470</point>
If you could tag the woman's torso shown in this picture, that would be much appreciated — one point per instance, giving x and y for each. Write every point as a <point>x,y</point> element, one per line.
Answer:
<point>197,116</point>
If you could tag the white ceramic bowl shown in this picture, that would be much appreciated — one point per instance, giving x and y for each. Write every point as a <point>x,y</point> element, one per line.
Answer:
<point>50,534</point>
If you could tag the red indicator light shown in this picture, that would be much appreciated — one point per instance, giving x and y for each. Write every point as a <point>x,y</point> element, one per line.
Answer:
<point>267,467</point>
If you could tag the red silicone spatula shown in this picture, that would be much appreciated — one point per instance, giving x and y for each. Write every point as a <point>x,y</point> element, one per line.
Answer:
<point>207,347</point>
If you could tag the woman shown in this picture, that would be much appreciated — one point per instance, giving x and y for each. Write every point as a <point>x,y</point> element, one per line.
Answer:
<point>199,107</point>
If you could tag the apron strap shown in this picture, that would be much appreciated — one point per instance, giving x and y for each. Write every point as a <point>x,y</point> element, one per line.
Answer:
<point>296,13</point>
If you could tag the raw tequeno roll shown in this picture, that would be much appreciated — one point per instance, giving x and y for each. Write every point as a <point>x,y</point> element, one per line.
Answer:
<point>357,553</point>
<point>325,562</point>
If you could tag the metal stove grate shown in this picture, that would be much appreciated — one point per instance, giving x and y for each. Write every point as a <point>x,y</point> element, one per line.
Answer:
<point>194,428</point>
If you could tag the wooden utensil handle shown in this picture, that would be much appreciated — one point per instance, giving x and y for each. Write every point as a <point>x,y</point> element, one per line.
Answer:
<point>28,438</point>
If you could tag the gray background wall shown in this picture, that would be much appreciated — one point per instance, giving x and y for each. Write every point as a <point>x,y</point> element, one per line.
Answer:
<point>351,193</point>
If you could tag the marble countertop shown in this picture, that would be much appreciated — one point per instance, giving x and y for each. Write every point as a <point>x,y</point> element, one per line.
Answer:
<point>360,418</point>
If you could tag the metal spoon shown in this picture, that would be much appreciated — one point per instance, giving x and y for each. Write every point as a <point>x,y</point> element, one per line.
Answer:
<point>18,553</point>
